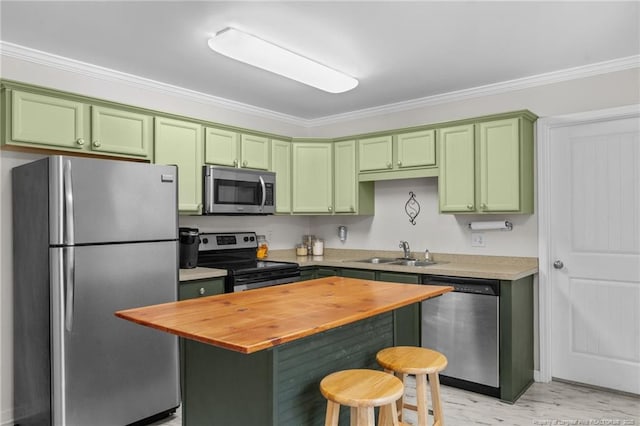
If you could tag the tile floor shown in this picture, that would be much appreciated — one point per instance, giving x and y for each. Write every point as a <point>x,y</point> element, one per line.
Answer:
<point>554,403</point>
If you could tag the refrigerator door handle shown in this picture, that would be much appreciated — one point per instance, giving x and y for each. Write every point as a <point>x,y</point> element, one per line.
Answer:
<point>68,235</point>
<point>69,285</point>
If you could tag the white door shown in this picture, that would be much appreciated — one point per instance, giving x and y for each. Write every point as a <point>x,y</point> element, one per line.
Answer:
<point>594,219</point>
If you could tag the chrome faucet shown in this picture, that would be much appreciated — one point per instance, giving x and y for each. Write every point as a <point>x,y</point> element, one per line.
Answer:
<point>404,245</point>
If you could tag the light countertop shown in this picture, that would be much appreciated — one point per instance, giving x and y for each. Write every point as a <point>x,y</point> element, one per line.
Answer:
<point>473,266</point>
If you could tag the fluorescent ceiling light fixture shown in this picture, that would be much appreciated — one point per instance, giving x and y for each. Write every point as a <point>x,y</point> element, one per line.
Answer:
<point>254,51</point>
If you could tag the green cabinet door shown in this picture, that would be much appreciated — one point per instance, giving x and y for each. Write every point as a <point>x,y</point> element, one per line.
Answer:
<point>47,121</point>
<point>375,153</point>
<point>406,320</point>
<point>499,165</point>
<point>254,151</point>
<point>345,189</point>
<point>115,131</point>
<point>221,147</point>
<point>416,149</point>
<point>200,288</point>
<point>312,177</point>
<point>456,183</point>
<point>180,143</point>
<point>281,165</point>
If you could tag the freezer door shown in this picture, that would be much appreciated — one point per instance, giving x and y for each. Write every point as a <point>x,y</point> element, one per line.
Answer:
<point>108,371</point>
<point>102,201</point>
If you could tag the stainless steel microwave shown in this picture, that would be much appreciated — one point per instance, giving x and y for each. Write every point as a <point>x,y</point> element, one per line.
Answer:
<point>229,190</point>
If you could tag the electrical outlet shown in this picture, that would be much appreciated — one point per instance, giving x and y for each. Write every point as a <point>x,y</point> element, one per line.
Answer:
<point>477,239</point>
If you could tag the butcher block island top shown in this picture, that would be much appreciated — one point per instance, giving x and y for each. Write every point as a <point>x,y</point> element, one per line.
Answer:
<point>254,320</point>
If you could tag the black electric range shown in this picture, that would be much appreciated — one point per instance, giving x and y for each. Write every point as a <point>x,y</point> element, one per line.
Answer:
<point>236,252</point>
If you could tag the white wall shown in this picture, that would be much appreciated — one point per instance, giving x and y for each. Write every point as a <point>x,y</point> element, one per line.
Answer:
<point>443,233</point>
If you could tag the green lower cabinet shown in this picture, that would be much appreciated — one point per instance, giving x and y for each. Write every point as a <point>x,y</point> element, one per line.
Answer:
<point>323,271</point>
<point>192,290</point>
<point>278,386</point>
<point>308,273</point>
<point>362,274</point>
<point>516,337</point>
<point>407,320</point>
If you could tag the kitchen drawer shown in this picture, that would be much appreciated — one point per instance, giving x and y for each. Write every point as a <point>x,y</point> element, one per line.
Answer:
<point>200,288</point>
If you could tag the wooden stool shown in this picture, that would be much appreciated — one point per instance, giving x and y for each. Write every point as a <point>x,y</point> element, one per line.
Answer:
<point>362,390</point>
<point>420,362</point>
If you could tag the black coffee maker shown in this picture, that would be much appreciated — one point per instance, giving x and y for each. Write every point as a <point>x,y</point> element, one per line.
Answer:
<point>189,243</point>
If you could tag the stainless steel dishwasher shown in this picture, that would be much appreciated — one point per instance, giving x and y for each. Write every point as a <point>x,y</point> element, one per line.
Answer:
<point>464,326</point>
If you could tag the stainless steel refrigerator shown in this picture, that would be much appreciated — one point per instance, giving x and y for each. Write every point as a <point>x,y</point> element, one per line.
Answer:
<point>92,237</point>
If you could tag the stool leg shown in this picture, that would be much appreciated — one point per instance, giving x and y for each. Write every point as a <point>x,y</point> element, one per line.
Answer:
<point>364,416</point>
<point>434,381</point>
<point>333,414</point>
<point>421,398</point>
<point>354,416</point>
<point>400,402</point>
<point>388,415</point>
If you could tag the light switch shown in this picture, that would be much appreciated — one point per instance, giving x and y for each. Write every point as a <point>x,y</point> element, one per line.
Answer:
<point>477,239</point>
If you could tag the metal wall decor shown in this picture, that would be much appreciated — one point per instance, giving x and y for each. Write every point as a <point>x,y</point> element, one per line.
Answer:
<point>412,208</point>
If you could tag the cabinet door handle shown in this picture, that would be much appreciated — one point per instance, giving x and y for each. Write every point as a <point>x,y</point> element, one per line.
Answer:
<point>244,163</point>
<point>483,206</point>
<point>329,208</point>
<point>399,163</point>
<point>80,141</point>
<point>353,209</point>
<point>201,292</point>
<point>235,163</point>
<point>96,144</point>
<point>389,165</point>
<point>470,206</point>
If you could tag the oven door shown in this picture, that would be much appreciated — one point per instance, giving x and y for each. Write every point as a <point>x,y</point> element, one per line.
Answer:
<point>234,191</point>
<point>253,281</point>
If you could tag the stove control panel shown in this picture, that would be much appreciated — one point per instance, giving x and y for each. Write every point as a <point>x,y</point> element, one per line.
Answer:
<point>228,241</point>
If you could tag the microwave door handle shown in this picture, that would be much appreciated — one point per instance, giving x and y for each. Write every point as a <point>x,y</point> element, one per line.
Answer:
<point>264,192</point>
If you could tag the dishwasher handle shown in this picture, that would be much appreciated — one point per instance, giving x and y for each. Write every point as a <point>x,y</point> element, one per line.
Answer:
<point>479,286</point>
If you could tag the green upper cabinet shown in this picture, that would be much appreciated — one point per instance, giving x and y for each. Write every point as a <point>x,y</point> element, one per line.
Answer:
<point>312,177</point>
<point>221,147</point>
<point>416,149</point>
<point>281,165</point>
<point>456,184</point>
<point>48,121</point>
<point>350,196</point>
<point>399,156</point>
<point>233,149</point>
<point>254,152</point>
<point>43,121</point>
<point>180,142</point>
<point>487,167</point>
<point>115,131</point>
<point>499,165</point>
<point>376,153</point>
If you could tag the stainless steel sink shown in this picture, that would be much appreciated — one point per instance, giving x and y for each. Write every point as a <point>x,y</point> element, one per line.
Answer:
<point>414,262</point>
<point>377,260</point>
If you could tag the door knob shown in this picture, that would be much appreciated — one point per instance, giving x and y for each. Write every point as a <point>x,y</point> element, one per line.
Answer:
<point>96,144</point>
<point>558,264</point>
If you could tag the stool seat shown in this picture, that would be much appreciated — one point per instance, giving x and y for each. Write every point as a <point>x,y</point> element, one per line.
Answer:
<point>422,363</point>
<point>411,360</point>
<point>362,390</point>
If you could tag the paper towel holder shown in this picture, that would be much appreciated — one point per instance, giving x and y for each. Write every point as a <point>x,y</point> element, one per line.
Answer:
<point>502,225</point>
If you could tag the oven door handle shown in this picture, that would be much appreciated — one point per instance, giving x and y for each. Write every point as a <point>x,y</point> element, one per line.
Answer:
<point>264,192</point>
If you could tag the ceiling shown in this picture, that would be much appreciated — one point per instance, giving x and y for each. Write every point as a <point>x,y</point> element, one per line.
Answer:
<point>400,51</point>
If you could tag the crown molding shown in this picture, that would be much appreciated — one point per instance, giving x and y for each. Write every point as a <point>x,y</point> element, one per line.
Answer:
<point>94,71</point>
<point>590,70</point>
